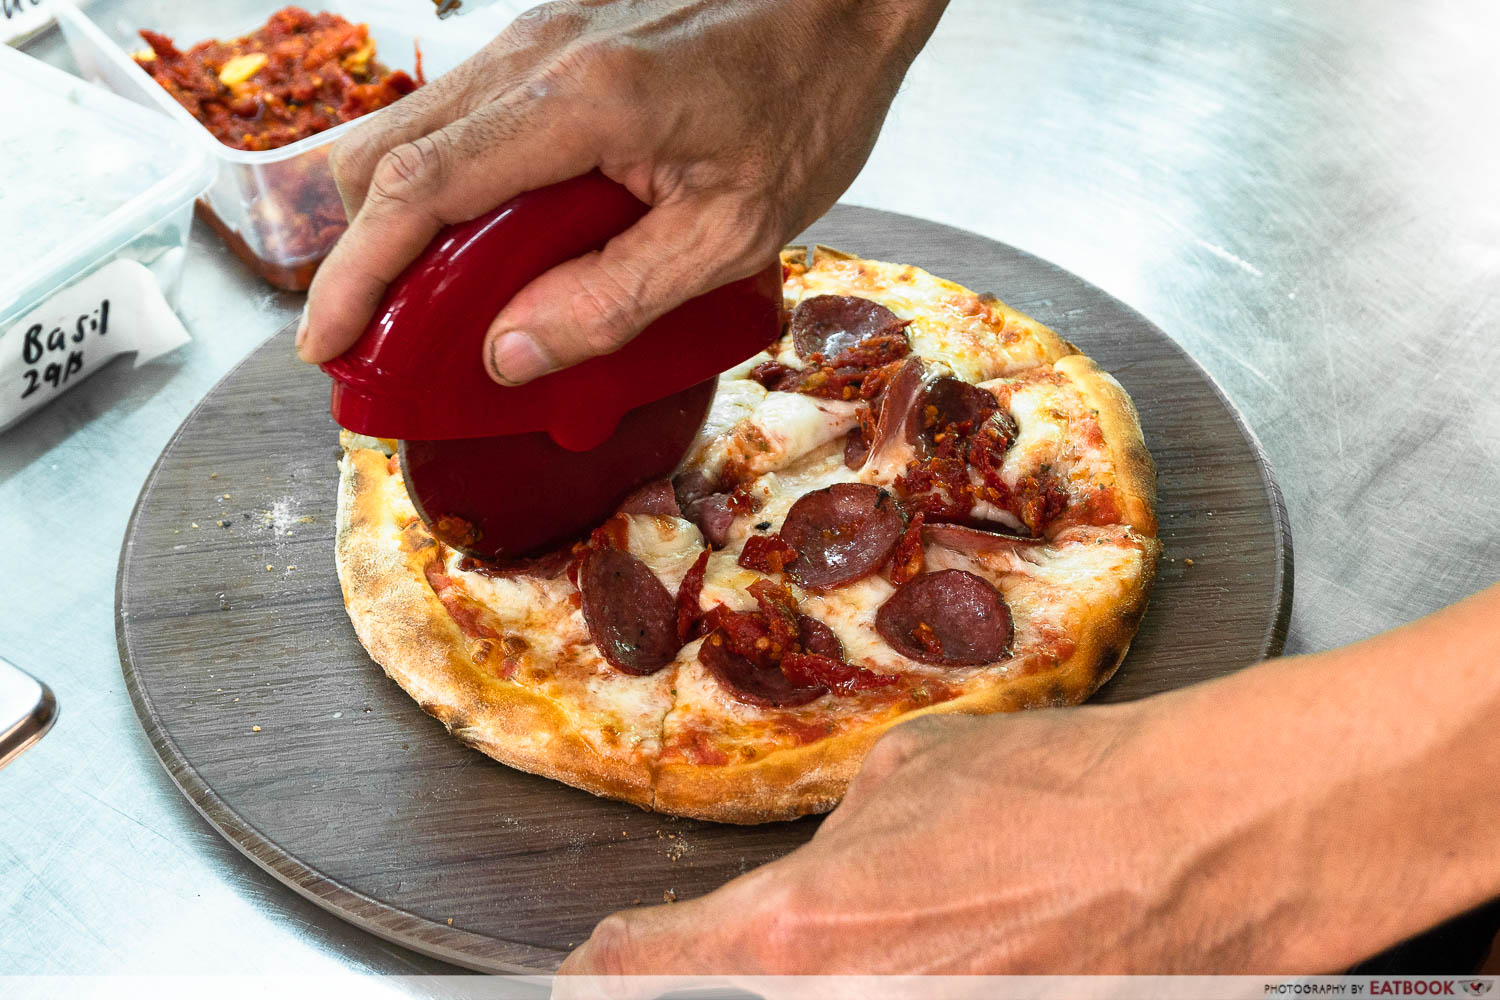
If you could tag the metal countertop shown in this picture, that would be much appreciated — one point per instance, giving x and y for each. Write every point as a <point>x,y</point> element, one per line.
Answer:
<point>1305,195</point>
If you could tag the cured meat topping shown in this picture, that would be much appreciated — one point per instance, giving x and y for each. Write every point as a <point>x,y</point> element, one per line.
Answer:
<point>951,618</point>
<point>957,429</point>
<point>631,616</point>
<point>777,656</point>
<point>830,325</point>
<point>841,533</point>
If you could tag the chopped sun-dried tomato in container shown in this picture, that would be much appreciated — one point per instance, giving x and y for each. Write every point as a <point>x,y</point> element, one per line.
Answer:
<point>297,76</point>
<point>268,97</point>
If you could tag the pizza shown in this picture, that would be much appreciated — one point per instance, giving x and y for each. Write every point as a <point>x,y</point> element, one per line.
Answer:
<point>917,501</point>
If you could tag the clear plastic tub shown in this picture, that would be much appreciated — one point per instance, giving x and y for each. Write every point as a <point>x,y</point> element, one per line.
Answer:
<point>260,201</point>
<point>89,179</point>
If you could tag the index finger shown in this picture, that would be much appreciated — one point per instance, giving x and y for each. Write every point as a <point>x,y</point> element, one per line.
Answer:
<point>461,171</point>
<point>491,72</point>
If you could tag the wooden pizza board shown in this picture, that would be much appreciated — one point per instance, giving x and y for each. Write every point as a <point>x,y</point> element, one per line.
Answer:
<point>230,618</point>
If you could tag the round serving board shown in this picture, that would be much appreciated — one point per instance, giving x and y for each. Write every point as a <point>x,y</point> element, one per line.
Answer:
<point>273,721</point>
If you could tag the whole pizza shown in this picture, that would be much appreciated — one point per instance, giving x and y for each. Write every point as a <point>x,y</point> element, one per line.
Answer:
<point>919,501</point>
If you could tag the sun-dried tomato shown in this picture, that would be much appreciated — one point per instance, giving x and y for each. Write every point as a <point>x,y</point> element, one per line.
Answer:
<point>809,669</point>
<point>766,553</point>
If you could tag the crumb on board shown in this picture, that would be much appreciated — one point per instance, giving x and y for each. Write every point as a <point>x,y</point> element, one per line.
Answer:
<point>253,729</point>
<point>213,475</point>
<point>450,921</point>
<point>1187,562</point>
<point>269,567</point>
<point>194,524</point>
<point>669,896</point>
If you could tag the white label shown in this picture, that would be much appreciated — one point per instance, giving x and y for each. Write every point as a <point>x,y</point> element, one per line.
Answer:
<point>117,310</point>
<point>19,18</point>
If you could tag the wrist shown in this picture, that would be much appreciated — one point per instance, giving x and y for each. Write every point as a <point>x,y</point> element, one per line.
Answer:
<point>1335,804</point>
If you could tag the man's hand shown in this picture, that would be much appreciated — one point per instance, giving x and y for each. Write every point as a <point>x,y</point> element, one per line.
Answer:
<point>1292,818</point>
<point>739,123</point>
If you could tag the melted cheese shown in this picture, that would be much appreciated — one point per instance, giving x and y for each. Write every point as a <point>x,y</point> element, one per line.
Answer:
<point>956,331</point>
<point>667,545</point>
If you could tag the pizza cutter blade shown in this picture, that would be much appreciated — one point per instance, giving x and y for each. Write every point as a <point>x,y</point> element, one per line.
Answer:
<point>505,473</point>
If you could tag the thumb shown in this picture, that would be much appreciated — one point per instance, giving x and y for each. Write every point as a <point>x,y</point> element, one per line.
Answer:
<point>597,303</point>
<point>716,934</point>
<point>640,954</point>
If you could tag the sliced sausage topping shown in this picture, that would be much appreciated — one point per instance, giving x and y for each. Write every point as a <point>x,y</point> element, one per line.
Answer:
<point>950,618</point>
<point>840,534</point>
<point>831,324</point>
<point>631,615</point>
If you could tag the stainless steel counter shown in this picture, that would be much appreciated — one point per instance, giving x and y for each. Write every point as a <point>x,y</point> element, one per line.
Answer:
<point>1305,195</point>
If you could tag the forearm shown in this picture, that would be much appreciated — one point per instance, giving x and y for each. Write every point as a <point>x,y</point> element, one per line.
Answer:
<point>1348,799</point>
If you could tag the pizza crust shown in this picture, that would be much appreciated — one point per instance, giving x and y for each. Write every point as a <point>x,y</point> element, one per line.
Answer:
<point>406,630</point>
<point>1134,468</point>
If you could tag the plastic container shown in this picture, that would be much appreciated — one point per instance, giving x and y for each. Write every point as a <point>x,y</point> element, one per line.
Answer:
<point>260,200</point>
<point>89,179</point>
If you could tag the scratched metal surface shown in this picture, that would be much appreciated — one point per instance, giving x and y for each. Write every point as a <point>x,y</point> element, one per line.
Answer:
<point>1303,194</point>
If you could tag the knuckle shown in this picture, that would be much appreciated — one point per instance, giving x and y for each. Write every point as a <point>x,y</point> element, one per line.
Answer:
<point>547,21</point>
<point>610,945</point>
<point>605,311</point>
<point>409,171</point>
<point>778,931</point>
<point>746,233</point>
<point>609,63</point>
<point>345,158</point>
<point>898,746</point>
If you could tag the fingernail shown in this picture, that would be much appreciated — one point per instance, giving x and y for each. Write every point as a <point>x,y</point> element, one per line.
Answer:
<point>302,328</point>
<point>517,358</point>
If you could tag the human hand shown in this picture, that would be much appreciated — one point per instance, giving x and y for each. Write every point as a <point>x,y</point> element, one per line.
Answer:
<point>738,123</point>
<point>1041,842</point>
<point>1290,818</point>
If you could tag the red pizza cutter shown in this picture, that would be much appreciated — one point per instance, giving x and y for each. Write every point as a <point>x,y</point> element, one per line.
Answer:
<point>505,473</point>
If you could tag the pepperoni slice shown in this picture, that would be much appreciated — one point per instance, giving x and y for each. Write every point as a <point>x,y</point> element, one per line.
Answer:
<point>818,638</point>
<point>856,448</point>
<point>714,516</point>
<point>841,533</point>
<point>758,685</point>
<point>950,618</point>
<point>947,405</point>
<point>975,540</point>
<point>654,498</point>
<point>831,324</point>
<point>896,405</point>
<point>631,616</point>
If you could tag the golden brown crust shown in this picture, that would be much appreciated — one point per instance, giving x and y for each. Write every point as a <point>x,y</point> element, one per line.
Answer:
<point>408,632</point>
<point>1135,470</point>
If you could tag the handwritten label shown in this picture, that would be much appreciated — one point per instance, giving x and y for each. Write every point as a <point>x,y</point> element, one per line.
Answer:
<point>22,17</point>
<point>118,309</point>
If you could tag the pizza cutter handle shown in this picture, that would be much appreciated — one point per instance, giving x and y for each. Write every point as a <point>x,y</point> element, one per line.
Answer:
<point>417,372</point>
